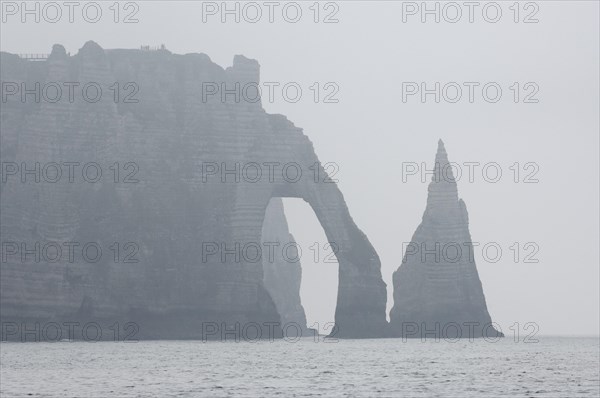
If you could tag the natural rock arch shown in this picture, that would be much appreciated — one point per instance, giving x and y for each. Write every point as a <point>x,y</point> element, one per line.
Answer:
<point>360,310</point>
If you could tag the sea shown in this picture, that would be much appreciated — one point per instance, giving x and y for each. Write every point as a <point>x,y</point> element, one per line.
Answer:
<point>565,367</point>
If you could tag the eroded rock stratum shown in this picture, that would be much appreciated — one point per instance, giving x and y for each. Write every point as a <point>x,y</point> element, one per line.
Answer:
<point>175,211</point>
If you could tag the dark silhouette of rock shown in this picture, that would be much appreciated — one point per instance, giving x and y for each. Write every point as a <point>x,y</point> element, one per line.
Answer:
<point>282,270</point>
<point>164,130</point>
<point>437,291</point>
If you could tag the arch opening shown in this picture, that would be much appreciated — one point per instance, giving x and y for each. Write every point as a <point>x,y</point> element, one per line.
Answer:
<point>301,272</point>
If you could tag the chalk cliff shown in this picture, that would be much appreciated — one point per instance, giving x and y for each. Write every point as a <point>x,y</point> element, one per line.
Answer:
<point>437,291</point>
<point>167,221</point>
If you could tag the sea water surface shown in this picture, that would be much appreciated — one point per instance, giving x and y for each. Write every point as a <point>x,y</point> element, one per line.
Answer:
<point>552,367</point>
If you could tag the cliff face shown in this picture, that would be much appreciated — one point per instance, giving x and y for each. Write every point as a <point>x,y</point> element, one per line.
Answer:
<point>173,206</point>
<point>437,290</point>
<point>282,270</point>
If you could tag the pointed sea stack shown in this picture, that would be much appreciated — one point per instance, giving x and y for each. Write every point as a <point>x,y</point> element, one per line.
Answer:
<point>437,291</point>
